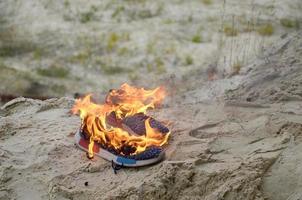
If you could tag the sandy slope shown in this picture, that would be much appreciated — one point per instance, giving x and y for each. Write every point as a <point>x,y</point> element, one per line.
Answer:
<point>97,45</point>
<point>224,149</point>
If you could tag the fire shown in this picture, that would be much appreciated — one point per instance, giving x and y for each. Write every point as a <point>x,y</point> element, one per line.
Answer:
<point>124,102</point>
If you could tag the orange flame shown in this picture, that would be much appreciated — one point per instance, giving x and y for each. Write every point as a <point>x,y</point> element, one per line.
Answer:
<point>123,102</point>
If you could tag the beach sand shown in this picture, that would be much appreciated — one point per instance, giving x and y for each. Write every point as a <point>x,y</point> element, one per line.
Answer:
<point>236,140</point>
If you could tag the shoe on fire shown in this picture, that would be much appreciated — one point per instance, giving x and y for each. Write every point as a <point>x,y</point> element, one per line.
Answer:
<point>134,125</point>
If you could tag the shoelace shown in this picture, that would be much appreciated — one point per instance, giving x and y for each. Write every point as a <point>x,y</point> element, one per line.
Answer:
<point>116,166</point>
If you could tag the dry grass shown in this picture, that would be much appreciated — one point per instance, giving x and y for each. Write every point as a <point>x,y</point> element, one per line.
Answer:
<point>38,53</point>
<point>66,3</point>
<point>86,17</point>
<point>81,57</point>
<point>197,38</point>
<point>230,31</point>
<point>236,67</point>
<point>123,51</point>
<point>89,15</point>
<point>189,60</point>
<point>114,39</point>
<point>54,70</point>
<point>207,2</point>
<point>118,10</point>
<point>160,66</point>
<point>111,70</point>
<point>266,29</point>
<point>157,66</point>
<point>289,23</point>
<point>11,45</point>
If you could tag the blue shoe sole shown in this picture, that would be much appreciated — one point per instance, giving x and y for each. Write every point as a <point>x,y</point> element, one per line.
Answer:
<point>150,156</point>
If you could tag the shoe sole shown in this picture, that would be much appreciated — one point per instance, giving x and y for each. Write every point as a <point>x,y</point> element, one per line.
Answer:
<point>82,143</point>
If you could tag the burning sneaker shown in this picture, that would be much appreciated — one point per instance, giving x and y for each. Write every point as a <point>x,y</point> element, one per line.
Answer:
<point>125,156</point>
<point>119,130</point>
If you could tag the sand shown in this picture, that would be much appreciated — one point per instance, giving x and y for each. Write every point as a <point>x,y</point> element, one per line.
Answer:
<point>226,143</point>
<point>98,45</point>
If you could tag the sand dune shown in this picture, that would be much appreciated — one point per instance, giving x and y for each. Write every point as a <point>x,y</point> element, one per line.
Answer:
<point>240,142</point>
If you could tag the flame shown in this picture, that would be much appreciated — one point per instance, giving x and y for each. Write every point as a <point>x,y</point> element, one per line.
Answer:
<point>123,102</point>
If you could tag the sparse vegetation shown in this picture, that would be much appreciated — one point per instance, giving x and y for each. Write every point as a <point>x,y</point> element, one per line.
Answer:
<point>66,3</point>
<point>266,29</point>
<point>160,47</point>
<point>212,18</point>
<point>160,67</point>
<point>94,8</point>
<point>10,45</point>
<point>136,1</point>
<point>114,38</point>
<point>81,57</point>
<point>145,12</point>
<point>67,17</point>
<point>58,89</point>
<point>149,67</point>
<point>54,70</point>
<point>14,81</point>
<point>160,8</point>
<point>248,27</point>
<point>157,66</point>
<point>189,60</point>
<point>207,2</point>
<point>2,65</point>
<point>171,49</point>
<point>112,41</point>
<point>117,11</point>
<point>236,67</point>
<point>123,51</point>
<point>38,53</point>
<point>168,21</point>
<point>197,38</point>
<point>289,23</point>
<point>125,36</point>
<point>86,17</point>
<point>89,15</point>
<point>150,47</point>
<point>230,31</point>
<point>111,70</point>
<point>16,49</point>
